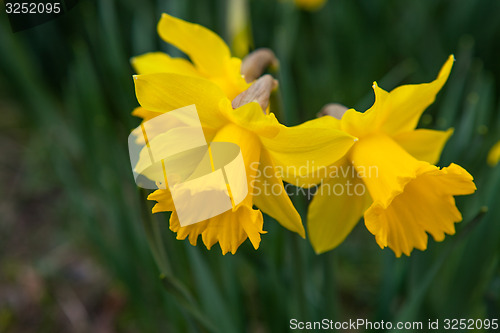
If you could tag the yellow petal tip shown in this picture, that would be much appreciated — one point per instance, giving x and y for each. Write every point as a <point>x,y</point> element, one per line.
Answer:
<point>318,252</point>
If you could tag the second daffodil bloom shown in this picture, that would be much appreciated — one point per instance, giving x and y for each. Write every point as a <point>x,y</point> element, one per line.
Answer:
<point>310,5</point>
<point>264,143</point>
<point>494,155</point>
<point>389,176</point>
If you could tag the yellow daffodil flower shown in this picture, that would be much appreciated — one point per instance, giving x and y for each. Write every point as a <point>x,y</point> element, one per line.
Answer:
<point>210,56</point>
<point>265,144</point>
<point>389,176</point>
<point>494,154</point>
<point>310,5</point>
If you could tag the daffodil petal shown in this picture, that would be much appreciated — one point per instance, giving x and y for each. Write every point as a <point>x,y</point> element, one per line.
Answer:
<point>207,50</point>
<point>144,114</point>
<point>250,148</point>
<point>303,149</point>
<point>270,196</point>
<point>231,81</point>
<point>251,117</point>
<point>164,200</point>
<point>336,208</point>
<point>384,166</point>
<point>159,62</point>
<point>317,176</point>
<point>426,205</point>
<point>405,104</point>
<point>326,122</point>
<point>361,124</point>
<point>163,92</point>
<point>191,231</point>
<point>424,144</point>
<point>231,229</point>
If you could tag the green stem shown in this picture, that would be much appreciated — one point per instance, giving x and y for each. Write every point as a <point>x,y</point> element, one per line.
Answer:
<point>284,46</point>
<point>330,286</point>
<point>299,277</point>
<point>171,284</point>
<point>153,236</point>
<point>411,307</point>
<point>162,254</point>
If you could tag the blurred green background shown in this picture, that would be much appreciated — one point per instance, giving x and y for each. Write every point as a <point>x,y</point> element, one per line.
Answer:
<point>75,228</point>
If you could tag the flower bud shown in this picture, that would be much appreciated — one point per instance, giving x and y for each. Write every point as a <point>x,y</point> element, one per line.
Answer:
<point>256,62</point>
<point>259,92</point>
<point>335,110</point>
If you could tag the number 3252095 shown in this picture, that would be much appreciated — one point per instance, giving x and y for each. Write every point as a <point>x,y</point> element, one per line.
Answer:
<point>32,8</point>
